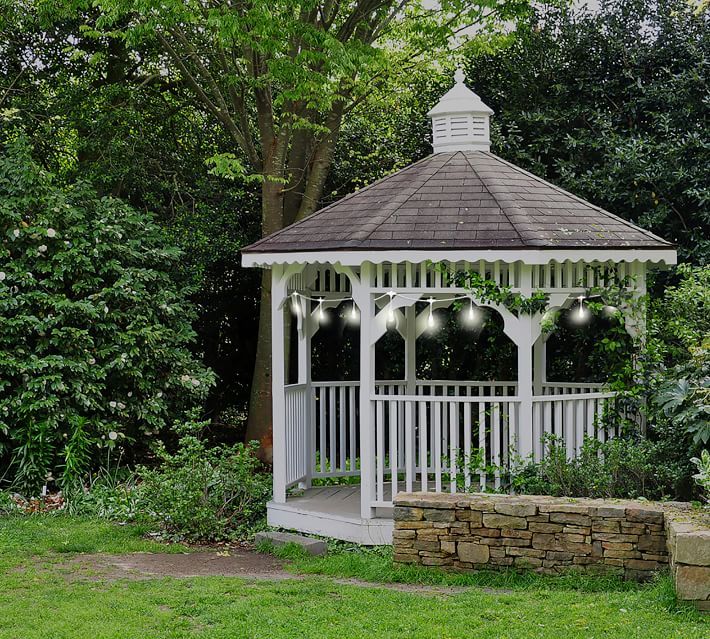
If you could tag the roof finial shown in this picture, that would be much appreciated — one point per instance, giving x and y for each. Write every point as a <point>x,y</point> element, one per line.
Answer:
<point>459,75</point>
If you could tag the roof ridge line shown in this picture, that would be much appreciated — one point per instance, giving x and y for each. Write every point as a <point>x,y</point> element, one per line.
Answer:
<point>559,189</point>
<point>493,195</point>
<point>342,199</point>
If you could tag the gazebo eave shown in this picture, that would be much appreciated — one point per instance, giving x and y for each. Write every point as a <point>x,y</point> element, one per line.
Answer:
<point>532,256</point>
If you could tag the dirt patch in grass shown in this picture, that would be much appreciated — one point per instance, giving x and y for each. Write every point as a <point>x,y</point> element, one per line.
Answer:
<point>245,564</point>
<point>233,563</point>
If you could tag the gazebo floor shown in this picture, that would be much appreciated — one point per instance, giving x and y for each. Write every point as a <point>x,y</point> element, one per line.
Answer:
<point>332,511</point>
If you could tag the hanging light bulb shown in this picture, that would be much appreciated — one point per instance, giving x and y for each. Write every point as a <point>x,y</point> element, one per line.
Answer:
<point>390,311</point>
<point>353,312</point>
<point>294,303</point>
<point>471,312</point>
<point>430,319</point>
<point>321,314</point>
<point>582,314</point>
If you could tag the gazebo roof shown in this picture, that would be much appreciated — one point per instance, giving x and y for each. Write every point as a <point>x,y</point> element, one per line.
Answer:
<point>459,200</point>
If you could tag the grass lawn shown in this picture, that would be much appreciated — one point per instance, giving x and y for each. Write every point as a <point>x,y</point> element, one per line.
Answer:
<point>38,602</point>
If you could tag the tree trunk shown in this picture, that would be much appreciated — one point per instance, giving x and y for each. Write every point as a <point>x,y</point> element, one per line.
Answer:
<point>259,420</point>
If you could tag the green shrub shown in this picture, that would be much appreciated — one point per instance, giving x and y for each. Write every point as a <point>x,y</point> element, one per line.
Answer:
<point>703,475</point>
<point>205,493</point>
<point>94,330</point>
<point>619,468</point>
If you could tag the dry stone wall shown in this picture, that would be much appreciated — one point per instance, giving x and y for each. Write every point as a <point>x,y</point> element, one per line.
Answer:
<point>688,535</point>
<point>546,534</point>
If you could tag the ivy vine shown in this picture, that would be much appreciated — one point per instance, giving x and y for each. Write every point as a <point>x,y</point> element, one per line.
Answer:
<point>490,292</point>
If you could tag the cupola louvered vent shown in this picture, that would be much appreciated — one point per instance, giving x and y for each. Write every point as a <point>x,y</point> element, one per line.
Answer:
<point>460,121</point>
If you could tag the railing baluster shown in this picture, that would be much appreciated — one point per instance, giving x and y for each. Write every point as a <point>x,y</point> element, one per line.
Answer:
<point>409,446</point>
<point>437,445</point>
<point>453,442</point>
<point>467,444</point>
<point>342,413</point>
<point>423,445</point>
<point>394,461</point>
<point>380,448</point>
<point>482,442</point>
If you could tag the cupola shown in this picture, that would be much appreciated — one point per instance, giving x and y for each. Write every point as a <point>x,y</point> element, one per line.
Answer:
<point>460,121</point>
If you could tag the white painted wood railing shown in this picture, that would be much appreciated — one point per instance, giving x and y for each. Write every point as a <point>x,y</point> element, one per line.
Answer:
<point>449,435</point>
<point>335,433</point>
<point>439,442</point>
<point>570,417</point>
<point>297,436</point>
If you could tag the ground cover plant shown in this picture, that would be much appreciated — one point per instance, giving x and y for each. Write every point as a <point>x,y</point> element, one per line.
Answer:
<point>33,551</point>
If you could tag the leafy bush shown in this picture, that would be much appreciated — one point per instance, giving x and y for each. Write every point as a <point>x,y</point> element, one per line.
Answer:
<point>94,331</point>
<point>703,474</point>
<point>8,505</point>
<point>679,348</point>
<point>619,468</point>
<point>110,493</point>
<point>205,493</point>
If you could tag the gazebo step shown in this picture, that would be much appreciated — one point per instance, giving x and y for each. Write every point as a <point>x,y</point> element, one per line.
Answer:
<point>310,545</point>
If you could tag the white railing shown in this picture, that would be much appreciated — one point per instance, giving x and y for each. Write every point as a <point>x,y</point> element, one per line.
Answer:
<point>440,442</point>
<point>571,418</point>
<point>297,436</point>
<point>335,433</point>
<point>449,435</point>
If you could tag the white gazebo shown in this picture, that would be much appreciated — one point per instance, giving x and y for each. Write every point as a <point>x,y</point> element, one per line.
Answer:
<point>376,252</point>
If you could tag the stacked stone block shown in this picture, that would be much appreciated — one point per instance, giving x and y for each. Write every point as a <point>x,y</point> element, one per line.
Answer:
<point>688,535</point>
<point>545,534</point>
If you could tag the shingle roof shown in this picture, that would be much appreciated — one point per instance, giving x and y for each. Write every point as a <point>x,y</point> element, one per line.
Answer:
<point>460,200</point>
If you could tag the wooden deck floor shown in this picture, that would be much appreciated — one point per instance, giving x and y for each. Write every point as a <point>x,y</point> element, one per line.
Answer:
<point>332,511</point>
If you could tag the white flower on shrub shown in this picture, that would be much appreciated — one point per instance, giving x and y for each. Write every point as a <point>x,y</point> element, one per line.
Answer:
<point>195,382</point>
<point>105,309</point>
<point>112,404</point>
<point>92,361</point>
<point>121,405</point>
<point>184,378</point>
<point>130,393</point>
<point>16,232</point>
<point>2,276</point>
<point>160,394</point>
<point>42,248</point>
<point>51,232</point>
<point>113,435</point>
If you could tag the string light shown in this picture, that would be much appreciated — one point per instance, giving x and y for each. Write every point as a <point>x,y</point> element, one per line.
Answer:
<point>430,319</point>
<point>321,314</point>
<point>294,304</point>
<point>390,312</point>
<point>353,312</point>
<point>581,307</point>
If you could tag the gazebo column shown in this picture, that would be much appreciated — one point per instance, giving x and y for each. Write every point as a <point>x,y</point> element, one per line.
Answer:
<point>539,364</point>
<point>363,298</point>
<point>410,349</point>
<point>525,337</point>
<point>305,332</point>
<point>278,378</point>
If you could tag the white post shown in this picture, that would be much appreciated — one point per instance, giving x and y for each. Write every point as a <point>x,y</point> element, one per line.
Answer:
<point>410,349</point>
<point>525,370</point>
<point>304,377</point>
<point>539,364</point>
<point>361,292</point>
<point>278,292</point>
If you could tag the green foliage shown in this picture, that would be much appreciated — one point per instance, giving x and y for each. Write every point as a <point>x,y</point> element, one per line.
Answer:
<point>94,330</point>
<point>679,354</point>
<point>624,467</point>
<point>611,104</point>
<point>703,475</point>
<point>489,292</point>
<point>203,492</point>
